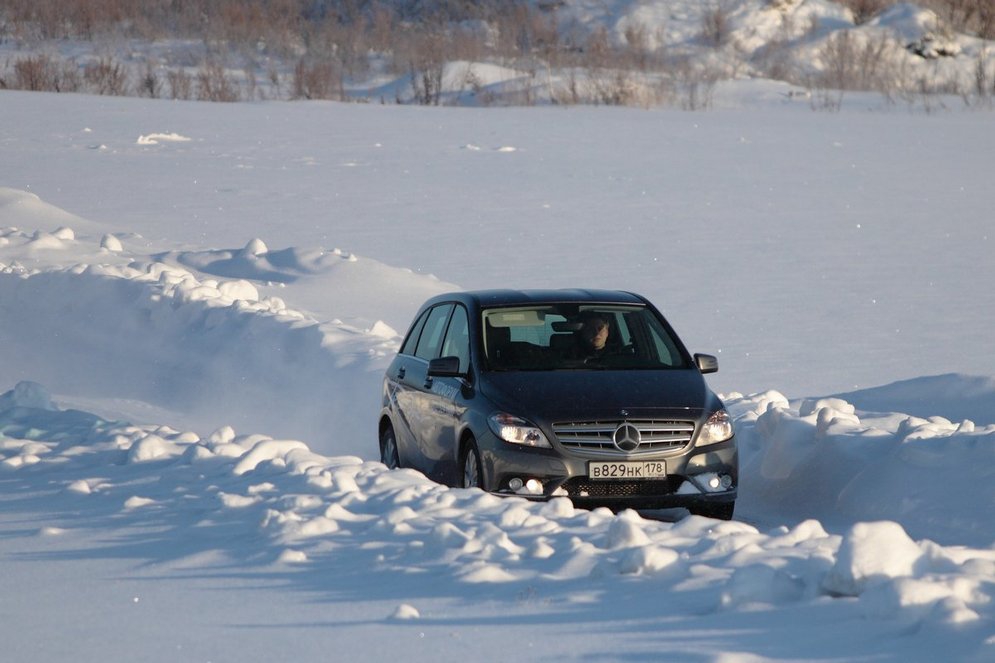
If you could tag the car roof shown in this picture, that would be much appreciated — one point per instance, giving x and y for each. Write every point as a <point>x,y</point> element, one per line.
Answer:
<point>489,298</point>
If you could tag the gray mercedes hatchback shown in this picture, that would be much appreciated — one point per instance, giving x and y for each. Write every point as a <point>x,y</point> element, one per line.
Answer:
<point>585,394</point>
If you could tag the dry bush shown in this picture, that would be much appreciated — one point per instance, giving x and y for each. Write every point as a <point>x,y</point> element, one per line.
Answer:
<point>615,87</point>
<point>851,65</point>
<point>36,73</point>
<point>318,79</point>
<point>426,84</point>
<point>983,89</point>
<point>106,77</point>
<point>422,53</point>
<point>637,50</point>
<point>214,84</point>
<point>522,30</point>
<point>715,28</point>
<point>695,85</point>
<point>865,10</point>
<point>61,19</point>
<point>381,26</point>
<point>598,52</point>
<point>40,73</point>
<point>149,85</point>
<point>969,16</point>
<point>180,84</point>
<point>966,16</point>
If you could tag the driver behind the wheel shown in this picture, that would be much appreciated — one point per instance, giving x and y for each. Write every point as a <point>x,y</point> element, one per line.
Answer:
<point>592,338</point>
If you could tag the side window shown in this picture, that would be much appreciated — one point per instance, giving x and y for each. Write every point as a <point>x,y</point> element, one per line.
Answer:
<point>430,341</point>
<point>412,340</point>
<point>457,343</point>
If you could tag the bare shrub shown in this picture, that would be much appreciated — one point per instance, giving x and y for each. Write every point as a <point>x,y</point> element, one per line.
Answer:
<point>613,87</point>
<point>251,84</point>
<point>969,16</point>
<point>637,47</point>
<point>106,77</point>
<point>426,84</point>
<point>381,26</point>
<point>865,10</point>
<point>275,81</point>
<point>214,84</point>
<point>150,85</point>
<point>318,79</point>
<point>423,53</point>
<point>522,30</point>
<point>568,94</point>
<point>522,91</point>
<point>826,100</point>
<point>984,82</point>
<point>852,65</point>
<point>598,51</point>
<point>180,84</point>
<point>695,85</point>
<point>40,73</point>
<point>715,27</point>
<point>36,73</point>
<point>986,21</point>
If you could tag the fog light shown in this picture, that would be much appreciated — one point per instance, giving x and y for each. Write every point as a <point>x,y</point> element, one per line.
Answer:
<point>515,484</point>
<point>533,486</point>
<point>712,482</point>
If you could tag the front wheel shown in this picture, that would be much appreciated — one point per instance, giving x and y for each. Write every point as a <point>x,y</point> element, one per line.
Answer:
<point>472,471</point>
<point>388,449</point>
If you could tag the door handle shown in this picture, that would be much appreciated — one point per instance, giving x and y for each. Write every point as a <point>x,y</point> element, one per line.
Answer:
<point>400,373</point>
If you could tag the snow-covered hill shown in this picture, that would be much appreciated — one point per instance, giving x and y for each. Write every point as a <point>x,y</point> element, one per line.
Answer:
<point>628,52</point>
<point>193,330</point>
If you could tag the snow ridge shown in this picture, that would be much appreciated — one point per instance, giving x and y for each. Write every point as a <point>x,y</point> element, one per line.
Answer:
<point>304,515</point>
<point>156,332</point>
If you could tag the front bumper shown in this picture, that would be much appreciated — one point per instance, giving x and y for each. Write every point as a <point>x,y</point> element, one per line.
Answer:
<point>695,476</point>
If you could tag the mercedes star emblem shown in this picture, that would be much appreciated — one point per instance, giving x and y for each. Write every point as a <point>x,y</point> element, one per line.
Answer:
<point>626,437</point>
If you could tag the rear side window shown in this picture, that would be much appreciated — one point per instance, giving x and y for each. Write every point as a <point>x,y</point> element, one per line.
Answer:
<point>412,340</point>
<point>430,339</point>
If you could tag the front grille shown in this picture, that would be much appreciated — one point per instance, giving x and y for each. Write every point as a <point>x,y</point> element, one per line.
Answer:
<point>582,487</point>
<point>594,438</point>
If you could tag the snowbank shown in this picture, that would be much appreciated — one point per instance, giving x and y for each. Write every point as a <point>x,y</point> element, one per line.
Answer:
<point>825,459</point>
<point>308,515</point>
<point>217,349</point>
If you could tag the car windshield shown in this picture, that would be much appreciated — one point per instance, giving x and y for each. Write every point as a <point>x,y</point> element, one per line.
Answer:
<point>571,336</point>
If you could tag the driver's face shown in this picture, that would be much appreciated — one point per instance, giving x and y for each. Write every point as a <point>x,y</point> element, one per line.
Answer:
<point>596,333</point>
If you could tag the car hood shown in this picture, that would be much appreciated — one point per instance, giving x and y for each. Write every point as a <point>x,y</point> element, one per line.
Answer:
<point>549,396</point>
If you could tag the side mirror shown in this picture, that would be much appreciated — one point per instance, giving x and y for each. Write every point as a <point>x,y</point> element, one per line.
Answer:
<point>444,367</point>
<point>706,363</point>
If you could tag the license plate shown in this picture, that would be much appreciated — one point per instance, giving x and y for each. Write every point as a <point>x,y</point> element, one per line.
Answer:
<point>607,471</point>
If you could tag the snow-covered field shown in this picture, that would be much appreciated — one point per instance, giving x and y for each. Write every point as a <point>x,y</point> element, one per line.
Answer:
<point>197,301</point>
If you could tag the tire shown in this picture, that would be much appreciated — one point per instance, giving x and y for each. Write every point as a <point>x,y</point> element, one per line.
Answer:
<point>717,510</point>
<point>388,449</point>
<point>472,476</point>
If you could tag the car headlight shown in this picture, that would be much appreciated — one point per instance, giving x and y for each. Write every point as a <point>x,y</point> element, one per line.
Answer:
<point>517,431</point>
<point>718,428</point>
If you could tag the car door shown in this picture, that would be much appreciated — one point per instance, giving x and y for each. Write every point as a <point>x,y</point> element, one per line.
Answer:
<point>401,398</point>
<point>444,395</point>
<point>417,403</point>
